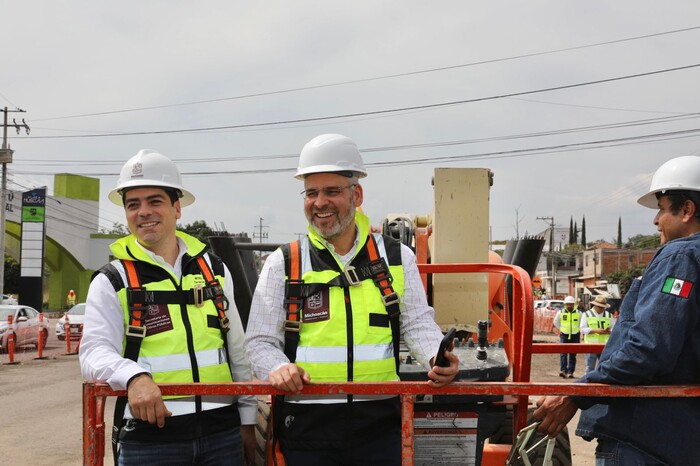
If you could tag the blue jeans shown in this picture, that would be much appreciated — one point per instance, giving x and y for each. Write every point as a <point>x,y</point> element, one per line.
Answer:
<point>614,453</point>
<point>220,449</point>
<point>567,362</point>
<point>591,361</point>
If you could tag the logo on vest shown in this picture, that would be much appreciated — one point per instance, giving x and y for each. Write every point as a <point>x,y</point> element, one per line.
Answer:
<point>316,307</point>
<point>157,319</point>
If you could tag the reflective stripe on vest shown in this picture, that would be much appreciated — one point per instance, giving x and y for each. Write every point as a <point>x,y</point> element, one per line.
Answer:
<point>596,320</point>
<point>166,351</point>
<point>347,340</point>
<point>182,362</point>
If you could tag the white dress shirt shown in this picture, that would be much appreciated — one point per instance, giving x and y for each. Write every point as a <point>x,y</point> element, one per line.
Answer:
<point>265,335</point>
<point>101,357</point>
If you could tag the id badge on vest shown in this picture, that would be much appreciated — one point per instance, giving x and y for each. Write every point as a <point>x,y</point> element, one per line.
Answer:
<point>317,307</point>
<point>157,319</point>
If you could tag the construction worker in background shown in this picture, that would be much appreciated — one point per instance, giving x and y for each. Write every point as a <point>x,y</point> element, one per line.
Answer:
<point>656,341</point>
<point>70,299</point>
<point>163,311</point>
<point>568,322</point>
<point>359,291</point>
<point>596,325</point>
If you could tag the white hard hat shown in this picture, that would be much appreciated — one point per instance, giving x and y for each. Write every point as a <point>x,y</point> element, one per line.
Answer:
<point>681,173</point>
<point>569,300</point>
<point>149,168</point>
<point>330,153</point>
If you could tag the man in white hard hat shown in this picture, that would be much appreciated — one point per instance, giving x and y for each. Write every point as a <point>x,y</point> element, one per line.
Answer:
<point>596,325</point>
<point>568,322</point>
<point>331,308</point>
<point>163,311</point>
<point>656,341</point>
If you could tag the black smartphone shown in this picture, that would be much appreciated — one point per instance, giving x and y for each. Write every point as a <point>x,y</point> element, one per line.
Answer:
<point>447,344</point>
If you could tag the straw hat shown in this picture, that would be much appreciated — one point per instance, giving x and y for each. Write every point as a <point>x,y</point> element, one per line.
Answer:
<point>600,301</point>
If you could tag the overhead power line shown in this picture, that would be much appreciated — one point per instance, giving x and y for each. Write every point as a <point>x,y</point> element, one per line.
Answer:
<point>543,150</point>
<point>376,112</point>
<point>376,78</point>
<point>229,158</point>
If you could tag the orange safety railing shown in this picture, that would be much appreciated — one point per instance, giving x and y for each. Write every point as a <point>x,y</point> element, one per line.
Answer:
<point>515,327</point>
<point>94,396</point>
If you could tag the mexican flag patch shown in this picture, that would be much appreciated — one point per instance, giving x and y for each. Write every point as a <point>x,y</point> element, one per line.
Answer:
<point>677,287</point>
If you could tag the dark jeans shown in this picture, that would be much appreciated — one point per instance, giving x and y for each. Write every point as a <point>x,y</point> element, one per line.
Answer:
<point>614,453</point>
<point>567,362</point>
<point>382,450</point>
<point>220,449</point>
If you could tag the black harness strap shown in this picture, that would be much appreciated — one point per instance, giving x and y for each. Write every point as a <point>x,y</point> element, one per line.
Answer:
<point>296,291</point>
<point>382,279</point>
<point>138,298</point>
<point>134,334</point>
<point>294,300</point>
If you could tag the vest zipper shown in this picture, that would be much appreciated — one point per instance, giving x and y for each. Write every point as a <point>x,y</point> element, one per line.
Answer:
<point>350,340</point>
<point>188,333</point>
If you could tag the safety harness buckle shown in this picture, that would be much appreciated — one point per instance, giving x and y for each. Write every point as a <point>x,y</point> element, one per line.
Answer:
<point>391,298</point>
<point>292,326</point>
<point>198,291</point>
<point>351,276</point>
<point>224,324</point>
<point>135,331</point>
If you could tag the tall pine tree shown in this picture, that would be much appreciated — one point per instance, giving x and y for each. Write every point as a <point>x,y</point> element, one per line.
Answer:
<point>572,240</point>
<point>619,233</point>
<point>583,231</point>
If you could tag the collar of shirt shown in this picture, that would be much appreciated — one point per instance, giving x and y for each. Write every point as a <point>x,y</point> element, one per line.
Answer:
<point>175,269</point>
<point>345,259</point>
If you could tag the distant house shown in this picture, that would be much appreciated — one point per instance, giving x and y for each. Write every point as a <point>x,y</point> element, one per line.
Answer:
<point>604,258</point>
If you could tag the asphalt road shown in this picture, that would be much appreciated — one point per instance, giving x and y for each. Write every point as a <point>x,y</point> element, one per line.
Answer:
<point>41,407</point>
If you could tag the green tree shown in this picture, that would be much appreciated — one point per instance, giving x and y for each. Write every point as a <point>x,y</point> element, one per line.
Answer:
<point>572,238</point>
<point>624,278</point>
<point>117,229</point>
<point>583,232</point>
<point>619,233</point>
<point>643,241</point>
<point>12,270</point>
<point>199,229</point>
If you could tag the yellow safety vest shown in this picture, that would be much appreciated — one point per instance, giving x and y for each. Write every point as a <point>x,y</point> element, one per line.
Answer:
<point>184,343</point>
<point>596,320</point>
<point>345,332</point>
<point>569,322</point>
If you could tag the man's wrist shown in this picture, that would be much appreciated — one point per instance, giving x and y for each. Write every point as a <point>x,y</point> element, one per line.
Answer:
<point>134,377</point>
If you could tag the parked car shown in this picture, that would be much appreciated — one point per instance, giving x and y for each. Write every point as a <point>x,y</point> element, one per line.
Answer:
<point>551,305</point>
<point>25,323</point>
<point>8,299</point>
<point>76,317</point>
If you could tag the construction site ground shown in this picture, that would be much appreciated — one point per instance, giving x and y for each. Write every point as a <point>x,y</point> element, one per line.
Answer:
<point>41,406</point>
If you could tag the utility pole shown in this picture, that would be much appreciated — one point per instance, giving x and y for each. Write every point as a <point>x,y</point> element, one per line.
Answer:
<point>5,158</point>
<point>551,248</point>
<point>517,223</point>
<point>260,235</point>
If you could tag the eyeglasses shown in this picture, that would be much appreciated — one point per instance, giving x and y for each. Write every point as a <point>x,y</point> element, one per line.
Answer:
<point>331,191</point>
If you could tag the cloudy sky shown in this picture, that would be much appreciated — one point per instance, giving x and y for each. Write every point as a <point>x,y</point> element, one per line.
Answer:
<point>572,105</point>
